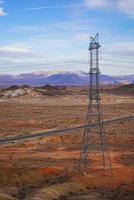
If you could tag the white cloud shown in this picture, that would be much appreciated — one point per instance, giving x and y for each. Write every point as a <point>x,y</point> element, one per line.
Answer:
<point>97,3</point>
<point>125,49</point>
<point>126,6</point>
<point>52,7</point>
<point>119,58</point>
<point>13,51</point>
<point>2,13</point>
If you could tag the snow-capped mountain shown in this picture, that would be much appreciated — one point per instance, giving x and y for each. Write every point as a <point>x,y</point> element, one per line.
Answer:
<point>60,78</point>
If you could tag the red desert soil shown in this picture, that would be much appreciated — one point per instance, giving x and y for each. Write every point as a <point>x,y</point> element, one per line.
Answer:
<point>51,170</point>
<point>34,166</point>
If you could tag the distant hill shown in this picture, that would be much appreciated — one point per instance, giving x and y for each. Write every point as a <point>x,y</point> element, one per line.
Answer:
<point>47,87</point>
<point>24,90</point>
<point>60,78</point>
<point>124,90</point>
<point>16,87</point>
<point>15,91</point>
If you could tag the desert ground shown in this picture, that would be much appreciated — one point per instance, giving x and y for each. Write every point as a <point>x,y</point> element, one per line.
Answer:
<point>44,169</point>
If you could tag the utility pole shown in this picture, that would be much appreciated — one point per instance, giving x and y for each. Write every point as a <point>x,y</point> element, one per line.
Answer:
<point>94,113</point>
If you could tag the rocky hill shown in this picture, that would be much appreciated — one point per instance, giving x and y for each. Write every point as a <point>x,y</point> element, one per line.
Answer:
<point>17,91</point>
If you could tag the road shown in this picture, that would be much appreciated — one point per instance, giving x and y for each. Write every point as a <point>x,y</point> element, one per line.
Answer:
<point>67,131</point>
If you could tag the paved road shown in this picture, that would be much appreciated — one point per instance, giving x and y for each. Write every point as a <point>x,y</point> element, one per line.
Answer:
<point>67,131</point>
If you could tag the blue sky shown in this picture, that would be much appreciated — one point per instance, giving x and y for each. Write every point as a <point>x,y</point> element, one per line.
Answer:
<point>53,35</point>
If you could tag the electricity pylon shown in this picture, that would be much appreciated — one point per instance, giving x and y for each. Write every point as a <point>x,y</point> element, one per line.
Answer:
<point>94,113</point>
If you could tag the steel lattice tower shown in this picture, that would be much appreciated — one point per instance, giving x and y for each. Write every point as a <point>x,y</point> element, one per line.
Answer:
<point>94,113</point>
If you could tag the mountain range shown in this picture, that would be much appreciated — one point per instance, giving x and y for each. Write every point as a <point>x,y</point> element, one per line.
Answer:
<point>60,78</point>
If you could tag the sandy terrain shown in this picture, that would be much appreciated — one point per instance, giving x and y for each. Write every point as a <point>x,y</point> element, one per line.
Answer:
<point>43,169</point>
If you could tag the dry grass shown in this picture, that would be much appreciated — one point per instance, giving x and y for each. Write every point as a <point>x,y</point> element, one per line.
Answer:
<point>57,191</point>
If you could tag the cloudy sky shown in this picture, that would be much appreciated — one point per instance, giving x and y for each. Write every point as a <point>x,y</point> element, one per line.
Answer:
<point>45,35</point>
